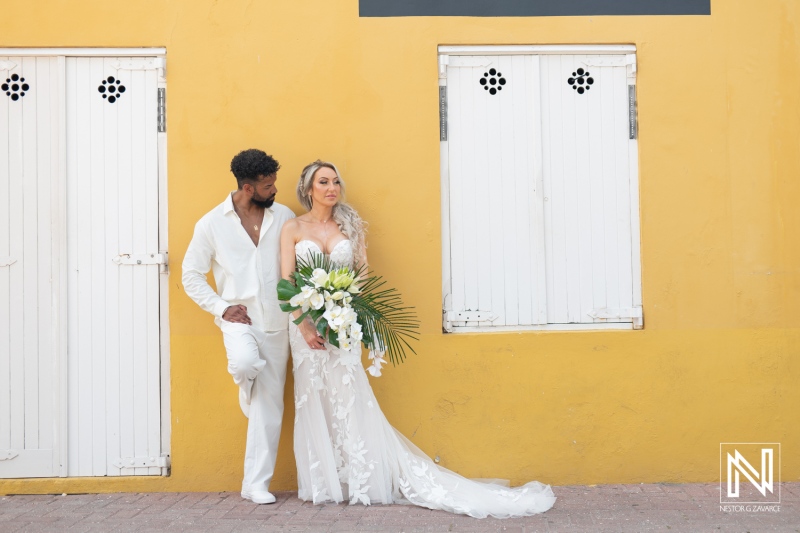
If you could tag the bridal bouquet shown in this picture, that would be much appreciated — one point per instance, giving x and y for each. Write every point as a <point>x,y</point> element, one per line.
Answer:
<point>348,310</point>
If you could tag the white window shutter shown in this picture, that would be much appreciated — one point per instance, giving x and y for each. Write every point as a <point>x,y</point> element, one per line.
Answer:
<point>495,241</point>
<point>587,184</point>
<point>542,191</point>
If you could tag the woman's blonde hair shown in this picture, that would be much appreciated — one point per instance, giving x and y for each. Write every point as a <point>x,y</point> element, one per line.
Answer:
<point>353,227</point>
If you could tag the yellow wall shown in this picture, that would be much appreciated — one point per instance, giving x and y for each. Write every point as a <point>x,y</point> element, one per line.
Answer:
<point>719,115</point>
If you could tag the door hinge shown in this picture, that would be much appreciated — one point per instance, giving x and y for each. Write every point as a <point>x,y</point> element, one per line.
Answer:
<point>633,313</point>
<point>162,110</point>
<point>141,259</point>
<point>462,317</point>
<point>443,112</point>
<point>7,455</point>
<point>143,462</point>
<point>633,125</point>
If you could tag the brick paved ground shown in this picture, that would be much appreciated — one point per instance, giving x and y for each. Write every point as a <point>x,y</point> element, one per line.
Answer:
<point>618,508</point>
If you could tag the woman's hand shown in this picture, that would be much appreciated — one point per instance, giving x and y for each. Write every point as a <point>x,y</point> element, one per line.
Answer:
<point>310,334</point>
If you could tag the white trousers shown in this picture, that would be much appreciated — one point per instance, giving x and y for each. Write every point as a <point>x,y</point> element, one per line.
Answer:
<point>257,361</point>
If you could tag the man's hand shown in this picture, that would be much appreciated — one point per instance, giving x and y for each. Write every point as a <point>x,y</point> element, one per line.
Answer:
<point>237,313</point>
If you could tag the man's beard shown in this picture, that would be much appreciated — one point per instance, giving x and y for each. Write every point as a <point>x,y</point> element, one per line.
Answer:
<point>264,203</point>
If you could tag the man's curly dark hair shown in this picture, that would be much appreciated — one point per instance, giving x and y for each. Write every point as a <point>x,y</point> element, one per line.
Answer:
<point>249,165</point>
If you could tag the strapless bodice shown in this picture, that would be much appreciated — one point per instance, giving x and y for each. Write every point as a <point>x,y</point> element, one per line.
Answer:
<point>342,253</point>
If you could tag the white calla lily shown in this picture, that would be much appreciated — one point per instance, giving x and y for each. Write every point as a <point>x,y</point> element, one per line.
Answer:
<point>319,277</point>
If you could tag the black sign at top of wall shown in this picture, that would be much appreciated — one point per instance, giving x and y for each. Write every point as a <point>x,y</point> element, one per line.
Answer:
<point>529,8</point>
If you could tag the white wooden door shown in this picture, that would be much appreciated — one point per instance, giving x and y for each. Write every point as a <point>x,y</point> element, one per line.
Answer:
<point>540,186</point>
<point>29,165</point>
<point>114,287</point>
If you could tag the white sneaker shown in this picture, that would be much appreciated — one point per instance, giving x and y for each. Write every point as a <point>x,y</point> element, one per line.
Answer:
<point>243,403</point>
<point>258,496</point>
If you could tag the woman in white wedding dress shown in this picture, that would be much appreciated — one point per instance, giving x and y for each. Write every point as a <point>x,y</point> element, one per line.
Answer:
<point>344,447</point>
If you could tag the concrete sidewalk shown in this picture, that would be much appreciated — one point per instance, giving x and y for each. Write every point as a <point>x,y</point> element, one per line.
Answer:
<point>617,508</point>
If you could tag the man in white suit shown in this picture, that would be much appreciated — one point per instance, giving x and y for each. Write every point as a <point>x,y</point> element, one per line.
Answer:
<point>239,240</point>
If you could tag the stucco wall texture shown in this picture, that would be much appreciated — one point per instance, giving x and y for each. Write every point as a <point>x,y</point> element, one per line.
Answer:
<point>719,114</point>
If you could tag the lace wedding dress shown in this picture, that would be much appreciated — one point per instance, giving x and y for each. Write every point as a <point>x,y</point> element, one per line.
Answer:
<point>346,449</point>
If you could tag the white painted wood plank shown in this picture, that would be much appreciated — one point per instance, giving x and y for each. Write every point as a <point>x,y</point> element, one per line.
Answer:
<point>58,196</point>
<point>139,233</point>
<point>126,289</point>
<point>570,106</point>
<point>479,162</point>
<point>502,144</point>
<point>518,97</point>
<point>95,52</point>
<point>73,369</point>
<point>498,201</point>
<point>112,125</point>
<point>87,119</point>
<point>555,207</point>
<point>476,162</point>
<point>636,261</point>
<point>539,49</point>
<point>46,84</point>
<point>5,274</point>
<point>153,282</point>
<point>447,299</point>
<point>610,326</point>
<point>30,201</point>
<point>164,331</point>
<point>623,186</point>
<point>16,272</point>
<point>583,103</point>
<point>455,144</point>
<point>537,219</point>
<point>547,142</point>
<point>608,95</point>
<point>469,196</point>
<point>95,205</point>
<point>597,155</point>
